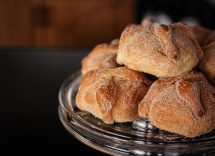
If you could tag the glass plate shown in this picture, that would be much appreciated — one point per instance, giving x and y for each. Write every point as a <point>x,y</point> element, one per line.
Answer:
<point>132,138</point>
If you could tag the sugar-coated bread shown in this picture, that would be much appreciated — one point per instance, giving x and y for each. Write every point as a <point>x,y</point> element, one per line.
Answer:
<point>184,104</point>
<point>158,49</point>
<point>112,94</point>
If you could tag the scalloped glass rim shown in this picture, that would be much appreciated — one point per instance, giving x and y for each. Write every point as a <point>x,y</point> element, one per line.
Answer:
<point>138,137</point>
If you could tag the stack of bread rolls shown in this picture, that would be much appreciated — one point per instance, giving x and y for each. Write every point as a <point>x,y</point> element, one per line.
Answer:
<point>117,83</point>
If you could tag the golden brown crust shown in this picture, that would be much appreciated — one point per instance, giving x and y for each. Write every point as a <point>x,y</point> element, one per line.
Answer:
<point>189,92</point>
<point>184,104</point>
<point>160,50</point>
<point>189,33</point>
<point>105,97</point>
<point>102,56</point>
<point>207,64</point>
<point>113,94</point>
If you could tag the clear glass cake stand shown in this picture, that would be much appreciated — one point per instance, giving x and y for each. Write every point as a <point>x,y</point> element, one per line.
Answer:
<point>132,138</point>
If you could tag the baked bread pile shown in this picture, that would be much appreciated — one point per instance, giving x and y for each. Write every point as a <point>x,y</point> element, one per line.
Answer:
<point>161,72</point>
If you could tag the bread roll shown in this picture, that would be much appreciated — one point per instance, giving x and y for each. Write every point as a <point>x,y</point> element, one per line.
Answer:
<point>158,49</point>
<point>183,105</point>
<point>112,95</point>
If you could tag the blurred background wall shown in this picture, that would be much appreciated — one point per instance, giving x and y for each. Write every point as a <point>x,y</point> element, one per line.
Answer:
<point>64,23</point>
<point>85,23</point>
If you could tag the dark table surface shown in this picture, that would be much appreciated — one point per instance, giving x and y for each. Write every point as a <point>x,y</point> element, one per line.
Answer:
<point>30,80</point>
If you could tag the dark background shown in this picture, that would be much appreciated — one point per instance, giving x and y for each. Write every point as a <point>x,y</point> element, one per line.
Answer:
<point>201,10</point>
<point>30,80</point>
